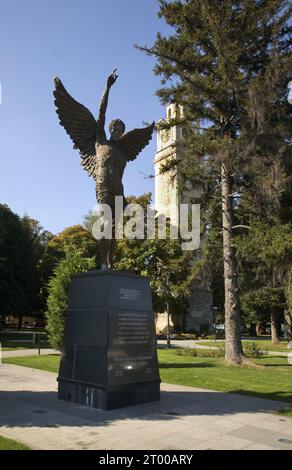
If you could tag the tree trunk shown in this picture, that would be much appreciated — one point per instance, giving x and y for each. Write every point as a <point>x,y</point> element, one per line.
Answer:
<point>233,347</point>
<point>260,328</point>
<point>288,321</point>
<point>275,328</point>
<point>19,323</point>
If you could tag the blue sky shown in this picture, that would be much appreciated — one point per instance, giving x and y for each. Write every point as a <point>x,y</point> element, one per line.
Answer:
<point>81,41</point>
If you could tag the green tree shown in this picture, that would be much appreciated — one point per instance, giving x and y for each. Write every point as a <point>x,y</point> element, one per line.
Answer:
<point>21,248</point>
<point>76,237</point>
<point>265,254</point>
<point>263,305</point>
<point>73,263</point>
<point>227,63</point>
<point>38,239</point>
<point>71,238</point>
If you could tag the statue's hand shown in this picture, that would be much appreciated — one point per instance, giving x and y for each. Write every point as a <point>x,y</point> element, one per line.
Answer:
<point>112,78</point>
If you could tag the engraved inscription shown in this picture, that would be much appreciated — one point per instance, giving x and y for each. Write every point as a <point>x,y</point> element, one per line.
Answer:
<point>132,356</point>
<point>130,294</point>
<point>132,328</point>
<point>129,368</point>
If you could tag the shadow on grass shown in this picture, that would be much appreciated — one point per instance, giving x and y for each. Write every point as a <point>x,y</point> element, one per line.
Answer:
<point>187,365</point>
<point>274,365</point>
<point>278,395</point>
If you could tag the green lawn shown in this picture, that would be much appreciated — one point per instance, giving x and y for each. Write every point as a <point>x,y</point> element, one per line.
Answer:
<point>9,444</point>
<point>285,412</point>
<point>263,344</point>
<point>273,381</point>
<point>49,362</point>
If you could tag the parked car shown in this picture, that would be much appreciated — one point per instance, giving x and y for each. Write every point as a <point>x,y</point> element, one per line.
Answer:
<point>219,327</point>
<point>219,331</point>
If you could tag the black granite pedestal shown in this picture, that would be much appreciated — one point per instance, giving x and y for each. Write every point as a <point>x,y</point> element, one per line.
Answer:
<point>109,358</point>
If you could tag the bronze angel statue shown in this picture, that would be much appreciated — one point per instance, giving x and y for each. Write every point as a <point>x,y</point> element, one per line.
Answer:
<point>104,159</point>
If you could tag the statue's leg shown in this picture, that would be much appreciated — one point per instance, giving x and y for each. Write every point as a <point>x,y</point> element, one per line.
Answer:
<point>110,254</point>
<point>107,246</point>
<point>112,242</point>
<point>103,243</point>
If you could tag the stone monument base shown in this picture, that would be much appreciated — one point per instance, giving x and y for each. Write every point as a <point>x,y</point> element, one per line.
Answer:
<point>109,358</point>
<point>109,397</point>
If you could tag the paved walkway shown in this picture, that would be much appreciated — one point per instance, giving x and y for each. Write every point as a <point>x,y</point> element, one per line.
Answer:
<point>185,418</point>
<point>27,352</point>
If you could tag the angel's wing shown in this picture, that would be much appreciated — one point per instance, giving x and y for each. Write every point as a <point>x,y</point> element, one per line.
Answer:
<point>79,123</point>
<point>134,141</point>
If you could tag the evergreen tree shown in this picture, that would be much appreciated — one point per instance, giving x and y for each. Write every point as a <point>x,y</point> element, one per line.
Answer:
<point>227,63</point>
<point>264,305</point>
<point>21,247</point>
<point>71,238</point>
<point>38,239</point>
<point>73,263</point>
<point>265,255</point>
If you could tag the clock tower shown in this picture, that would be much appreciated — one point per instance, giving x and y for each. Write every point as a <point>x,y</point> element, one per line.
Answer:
<point>166,182</point>
<point>168,196</point>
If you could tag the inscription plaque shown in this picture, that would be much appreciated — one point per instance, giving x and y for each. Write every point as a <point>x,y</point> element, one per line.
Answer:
<point>130,294</point>
<point>130,328</point>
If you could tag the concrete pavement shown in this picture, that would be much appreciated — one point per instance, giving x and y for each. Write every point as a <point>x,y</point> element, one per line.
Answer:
<point>185,418</point>
<point>27,352</point>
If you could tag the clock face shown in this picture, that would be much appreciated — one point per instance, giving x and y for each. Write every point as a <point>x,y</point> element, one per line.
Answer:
<point>165,135</point>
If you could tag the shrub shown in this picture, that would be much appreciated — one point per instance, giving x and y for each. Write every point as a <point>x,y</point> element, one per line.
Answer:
<point>57,302</point>
<point>185,336</point>
<point>186,352</point>
<point>253,350</point>
<point>192,331</point>
<point>198,352</point>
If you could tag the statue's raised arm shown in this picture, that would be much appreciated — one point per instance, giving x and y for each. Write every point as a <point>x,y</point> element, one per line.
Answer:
<point>100,134</point>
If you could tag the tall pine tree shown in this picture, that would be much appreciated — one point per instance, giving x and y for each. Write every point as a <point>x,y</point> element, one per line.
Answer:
<point>227,62</point>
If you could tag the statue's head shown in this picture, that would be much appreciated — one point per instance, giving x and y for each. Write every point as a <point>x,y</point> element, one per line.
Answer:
<point>116,128</point>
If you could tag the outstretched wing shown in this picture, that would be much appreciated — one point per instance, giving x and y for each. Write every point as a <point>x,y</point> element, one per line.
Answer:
<point>79,123</point>
<point>134,141</point>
